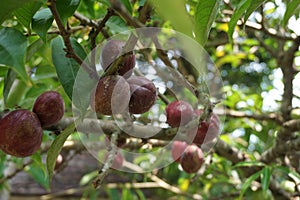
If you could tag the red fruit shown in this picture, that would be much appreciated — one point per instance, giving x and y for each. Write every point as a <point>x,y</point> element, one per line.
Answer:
<point>179,113</point>
<point>143,94</point>
<point>178,147</point>
<point>207,131</point>
<point>111,51</point>
<point>49,107</point>
<point>192,159</point>
<point>111,96</point>
<point>118,161</point>
<point>20,133</point>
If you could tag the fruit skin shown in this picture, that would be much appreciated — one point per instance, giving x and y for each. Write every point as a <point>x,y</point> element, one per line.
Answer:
<point>178,147</point>
<point>206,131</point>
<point>20,133</point>
<point>192,159</point>
<point>110,53</point>
<point>111,95</point>
<point>117,162</point>
<point>179,113</point>
<point>143,94</point>
<point>49,107</point>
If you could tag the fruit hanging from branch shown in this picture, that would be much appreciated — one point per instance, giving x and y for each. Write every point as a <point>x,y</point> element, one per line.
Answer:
<point>192,159</point>
<point>20,133</point>
<point>109,54</point>
<point>143,94</point>
<point>49,107</point>
<point>111,95</point>
<point>206,130</point>
<point>179,113</point>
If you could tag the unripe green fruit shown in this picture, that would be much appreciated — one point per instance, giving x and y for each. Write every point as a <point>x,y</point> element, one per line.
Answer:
<point>192,159</point>
<point>111,95</point>
<point>20,133</point>
<point>49,107</point>
<point>143,94</point>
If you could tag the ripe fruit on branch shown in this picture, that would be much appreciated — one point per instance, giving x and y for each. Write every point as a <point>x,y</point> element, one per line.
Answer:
<point>178,147</point>
<point>111,95</point>
<point>179,113</point>
<point>206,131</point>
<point>49,108</point>
<point>143,94</point>
<point>20,133</point>
<point>117,162</point>
<point>110,52</point>
<point>192,159</point>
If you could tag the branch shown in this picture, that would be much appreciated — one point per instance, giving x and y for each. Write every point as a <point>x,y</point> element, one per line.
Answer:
<point>240,114</point>
<point>286,64</point>
<point>66,37</point>
<point>280,150</point>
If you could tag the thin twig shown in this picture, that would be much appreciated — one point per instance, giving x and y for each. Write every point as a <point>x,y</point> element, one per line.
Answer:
<point>66,37</point>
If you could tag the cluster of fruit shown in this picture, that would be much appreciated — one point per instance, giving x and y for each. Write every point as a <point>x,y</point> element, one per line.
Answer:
<point>21,130</point>
<point>180,113</point>
<point>121,91</point>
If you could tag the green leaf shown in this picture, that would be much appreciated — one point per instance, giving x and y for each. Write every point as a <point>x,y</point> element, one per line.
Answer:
<point>127,5</point>
<point>37,173</point>
<point>66,68</point>
<point>238,13</point>
<point>8,82</point>
<point>56,148</point>
<point>248,182</point>
<point>175,12</point>
<point>290,10</point>
<point>254,5</point>
<point>249,164</point>
<point>265,178</point>
<point>41,22</point>
<point>7,7</point>
<point>12,51</point>
<point>206,12</point>
<point>116,24</point>
<point>26,12</point>
<point>66,8</point>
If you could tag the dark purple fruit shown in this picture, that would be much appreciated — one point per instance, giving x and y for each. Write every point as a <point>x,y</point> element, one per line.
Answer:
<point>192,159</point>
<point>179,113</point>
<point>178,147</point>
<point>111,51</point>
<point>206,131</point>
<point>20,133</point>
<point>143,94</point>
<point>111,96</point>
<point>49,107</point>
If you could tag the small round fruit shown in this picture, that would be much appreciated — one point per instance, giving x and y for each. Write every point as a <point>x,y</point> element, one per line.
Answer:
<point>110,53</point>
<point>49,107</point>
<point>192,159</point>
<point>117,162</point>
<point>179,113</point>
<point>178,147</point>
<point>143,94</point>
<point>111,96</point>
<point>20,133</point>
<point>206,131</point>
